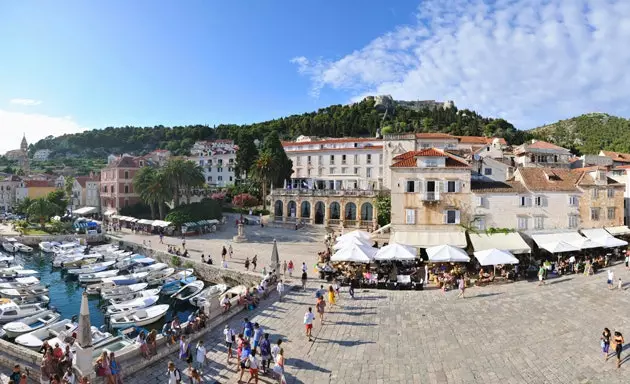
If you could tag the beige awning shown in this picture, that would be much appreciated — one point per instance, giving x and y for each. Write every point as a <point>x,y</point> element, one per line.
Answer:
<point>427,238</point>
<point>512,242</point>
<point>617,231</point>
<point>85,210</point>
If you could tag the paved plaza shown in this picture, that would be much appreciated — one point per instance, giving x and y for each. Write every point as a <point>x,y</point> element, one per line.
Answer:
<point>512,333</point>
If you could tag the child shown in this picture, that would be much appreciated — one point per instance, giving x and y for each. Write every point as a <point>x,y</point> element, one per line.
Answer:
<point>619,284</point>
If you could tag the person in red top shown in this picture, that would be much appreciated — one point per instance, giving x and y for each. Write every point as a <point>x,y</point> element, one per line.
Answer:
<point>57,352</point>
<point>290,267</point>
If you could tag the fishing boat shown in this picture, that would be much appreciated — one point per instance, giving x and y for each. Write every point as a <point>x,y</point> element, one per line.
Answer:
<point>43,299</point>
<point>68,248</point>
<point>31,323</point>
<point>158,277</point>
<point>139,317</point>
<point>123,290</point>
<point>34,290</point>
<point>12,245</point>
<point>176,281</point>
<point>188,291</point>
<point>207,295</point>
<point>91,268</point>
<point>10,311</point>
<point>96,277</point>
<point>83,261</point>
<point>234,292</point>
<point>48,246</point>
<point>66,338</point>
<point>72,259</point>
<point>151,268</point>
<point>135,295</point>
<point>17,271</point>
<point>137,303</point>
<point>130,261</point>
<point>20,282</point>
<point>35,339</point>
<point>128,279</point>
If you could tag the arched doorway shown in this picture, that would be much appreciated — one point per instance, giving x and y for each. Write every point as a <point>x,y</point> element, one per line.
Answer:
<point>335,211</point>
<point>292,209</point>
<point>351,211</point>
<point>367,212</point>
<point>305,210</point>
<point>320,212</point>
<point>277,208</point>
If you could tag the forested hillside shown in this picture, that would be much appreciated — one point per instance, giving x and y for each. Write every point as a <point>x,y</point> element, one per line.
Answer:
<point>359,119</point>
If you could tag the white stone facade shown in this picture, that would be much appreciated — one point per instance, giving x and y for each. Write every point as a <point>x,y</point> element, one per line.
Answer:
<point>218,161</point>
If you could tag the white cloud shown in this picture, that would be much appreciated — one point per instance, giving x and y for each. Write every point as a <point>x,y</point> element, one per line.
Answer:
<point>25,102</point>
<point>530,61</point>
<point>34,126</point>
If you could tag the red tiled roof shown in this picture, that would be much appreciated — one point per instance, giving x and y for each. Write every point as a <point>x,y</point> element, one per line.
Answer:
<point>480,140</point>
<point>429,152</point>
<point>408,159</point>
<point>39,183</point>
<point>82,180</point>
<point>124,162</point>
<point>618,156</point>
<point>435,135</point>
<point>550,179</point>
<point>406,163</point>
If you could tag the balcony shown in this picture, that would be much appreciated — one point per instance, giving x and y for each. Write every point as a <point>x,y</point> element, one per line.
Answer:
<point>430,197</point>
<point>327,192</point>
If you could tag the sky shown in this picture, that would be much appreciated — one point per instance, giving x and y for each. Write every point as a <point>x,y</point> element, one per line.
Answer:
<point>68,66</point>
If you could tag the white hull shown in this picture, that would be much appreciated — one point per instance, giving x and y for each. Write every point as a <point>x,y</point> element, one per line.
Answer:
<point>189,291</point>
<point>122,291</point>
<point>92,268</point>
<point>48,247</point>
<point>35,339</point>
<point>30,324</point>
<point>135,295</point>
<point>97,277</point>
<point>132,305</point>
<point>140,317</point>
<point>9,247</point>
<point>208,294</point>
<point>13,312</point>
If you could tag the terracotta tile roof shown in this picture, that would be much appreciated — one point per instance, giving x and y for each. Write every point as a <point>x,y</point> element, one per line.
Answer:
<point>39,183</point>
<point>82,180</point>
<point>550,179</point>
<point>488,186</point>
<point>591,168</point>
<point>435,135</point>
<point>408,159</point>
<point>540,145</point>
<point>480,140</point>
<point>406,163</point>
<point>124,162</point>
<point>618,156</point>
<point>429,152</point>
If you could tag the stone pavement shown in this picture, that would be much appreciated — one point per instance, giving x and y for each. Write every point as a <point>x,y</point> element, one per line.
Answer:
<point>512,333</point>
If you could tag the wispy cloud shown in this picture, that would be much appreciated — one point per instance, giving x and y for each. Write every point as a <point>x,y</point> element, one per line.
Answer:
<point>25,102</point>
<point>530,61</point>
<point>35,126</point>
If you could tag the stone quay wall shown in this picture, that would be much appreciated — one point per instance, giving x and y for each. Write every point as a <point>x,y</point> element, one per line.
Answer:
<point>11,354</point>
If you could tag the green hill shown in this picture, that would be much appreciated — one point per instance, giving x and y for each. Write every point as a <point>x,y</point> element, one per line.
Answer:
<point>358,119</point>
<point>588,133</point>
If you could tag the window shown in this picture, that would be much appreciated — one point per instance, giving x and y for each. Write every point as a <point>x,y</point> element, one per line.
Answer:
<point>431,163</point>
<point>522,222</point>
<point>230,178</point>
<point>539,201</point>
<point>356,171</point>
<point>308,160</point>
<point>368,172</point>
<point>573,221</point>
<point>219,169</point>
<point>343,159</point>
<point>320,160</point>
<point>594,193</point>
<point>356,159</point>
<point>451,186</point>
<point>200,162</point>
<point>539,222</point>
<point>480,201</point>
<point>126,189</point>
<point>487,171</point>
<point>368,159</point>
<point>343,170</point>
<point>231,161</point>
<point>410,216</point>
<point>410,186</point>
<point>308,172</point>
<point>126,174</point>
<point>522,201</point>
<point>380,158</point>
<point>451,216</point>
<point>332,170</point>
<point>209,178</point>
<point>220,162</point>
<point>332,159</point>
<point>220,178</point>
<point>480,223</point>
<point>209,162</point>
<point>611,212</point>
<point>610,193</point>
<point>573,201</point>
<point>595,214</point>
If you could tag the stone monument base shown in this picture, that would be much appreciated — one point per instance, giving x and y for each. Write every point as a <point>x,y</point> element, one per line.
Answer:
<point>84,362</point>
<point>239,239</point>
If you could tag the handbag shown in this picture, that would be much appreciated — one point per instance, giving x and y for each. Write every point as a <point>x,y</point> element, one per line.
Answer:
<point>100,371</point>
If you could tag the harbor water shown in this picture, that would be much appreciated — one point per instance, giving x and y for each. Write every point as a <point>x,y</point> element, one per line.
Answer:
<point>66,291</point>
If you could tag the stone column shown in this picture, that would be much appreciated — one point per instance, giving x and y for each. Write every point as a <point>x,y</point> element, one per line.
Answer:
<point>313,211</point>
<point>84,340</point>
<point>342,213</point>
<point>326,212</point>
<point>298,210</point>
<point>358,216</point>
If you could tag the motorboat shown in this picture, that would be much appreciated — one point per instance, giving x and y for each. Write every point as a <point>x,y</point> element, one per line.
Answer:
<point>134,261</point>
<point>17,271</point>
<point>80,262</point>
<point>139,317</point>
<point>173,286</point>
<point>48,246</point>
<point>10,311</point>
<point>31,323</point>
<point>188,291</point>
<point>72,260</point>
<point>135,295</point>
<point>68,248</point>
<point>233,292</point>
<point>97,276</point>
<point>9,245</point>
<point>207,295</point>
<point>91,268</point>
<point>12,293</point>
<point>43,299</point>
<point>20,282</point>
<point>122,290</point>
<point>137,303</point>
<point>115,344</point>
<point>158,277</point>
<point>64,338</point>
<point>23,248</point>
<point>6,259</point>
<point>128,279</point>
<point>151,268</point>
<point>35,339</point>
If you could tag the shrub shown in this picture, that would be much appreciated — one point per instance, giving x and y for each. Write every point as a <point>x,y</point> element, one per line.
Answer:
<point>176,261</point>
<point>205,210</point>
<point>244,200</point>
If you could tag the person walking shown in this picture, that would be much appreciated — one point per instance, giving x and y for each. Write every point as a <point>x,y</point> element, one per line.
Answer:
<point>230,250</point>
<point>627,260</point>
<point>611,279</point>
<point>195,377</point>
<point>304,268</point>
<point>280,288</point>
<point>223,252</point>
<point>337,288</point>
<point>247,263</point>
<point>284,268</point>
<point>173,374</point>
<point>304,279</point>
<point>265,352</point>
<point>105,368</point>
<point>290,268</point>
<point>461,283</point>
<point>254,262</point>
<point>618,343</point>
<point>541,275</point>
<point>321,307</point>
<point>605,343</point>
<point>184,351</point>
<point>331,296</point>
<point>351,290</point>
<point>278,368</point>
<point>253,367</point>
<point>308,323</point>
<point>200,356</point>
<point>115,368</point>
<point>229,341</point>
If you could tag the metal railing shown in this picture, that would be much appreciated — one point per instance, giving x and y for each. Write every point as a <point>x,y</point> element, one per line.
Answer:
<point>350,223</point>
<point>334,221</point>
<point>327,192</point>
<point>430,196</point>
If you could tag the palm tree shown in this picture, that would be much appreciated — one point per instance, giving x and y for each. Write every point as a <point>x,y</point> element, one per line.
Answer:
<point>42,210</point>
<point>153,188</point>
<point>182,175</point>
<point>193,178</point>
<point>261,171</point>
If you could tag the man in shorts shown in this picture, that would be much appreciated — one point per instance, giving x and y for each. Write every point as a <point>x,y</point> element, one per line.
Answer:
<point>308,323</point>
<point>541,276</point>
<point>229,340</point>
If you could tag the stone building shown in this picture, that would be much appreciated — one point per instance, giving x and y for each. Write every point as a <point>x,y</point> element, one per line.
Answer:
<point>602,202</point>
<point>217,159</point>
<point>20,155</point>
<point>541,154</point>
<point>116,186</point>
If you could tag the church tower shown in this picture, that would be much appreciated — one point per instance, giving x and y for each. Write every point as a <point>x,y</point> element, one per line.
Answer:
<point>23,161</point>
<point>24,144</point>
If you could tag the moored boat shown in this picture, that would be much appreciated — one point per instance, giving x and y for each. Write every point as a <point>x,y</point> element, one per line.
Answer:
<point>97,277</point>
<point>128,279</point>
<point>35,290</point>
<point>10,311</point>
<point>188,291</point>
<point>139,317</point>
<point>132,305</point>
<point>20,282</point>
<point>35,339</point>
<point>234,292</point>
<point>31,323</point>
<point>48,246</point>
<point>158,277</point>
<point>207,295</point>
<point>134,295</point>
<point>91,268</point>
<point>123,290</point>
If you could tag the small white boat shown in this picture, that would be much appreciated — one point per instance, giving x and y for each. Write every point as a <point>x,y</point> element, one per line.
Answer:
<point>140,317</point>
<point>132,305</point>
<point>12,293</point>
<point>80,262</point>
<point>188,291</point>
<point>10,311</point>
<point>6,259</point>
<point>158,277</point>
<point>20,282</point>
<point>207,295</point>
<point>31,323</point>
<point>116,344</point>
<point>9,245</point>
<point>43,299</point>
<point>68,247</point>
<point>91,268</point>
<point>48,246</point>
<point>151,268</point>
<point>23,248</point>
<point>35,339</point>
<point>123,290</point>
<point>131,278</point>
<point>135,295</point>
<point>16,271</point>
<point>96,277</point>
<point>234,292</point>
<point>72,259</point>
<point>98,338</point>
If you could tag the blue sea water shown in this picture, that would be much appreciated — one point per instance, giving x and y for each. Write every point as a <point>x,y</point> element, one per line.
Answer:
<point>65,292</point>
